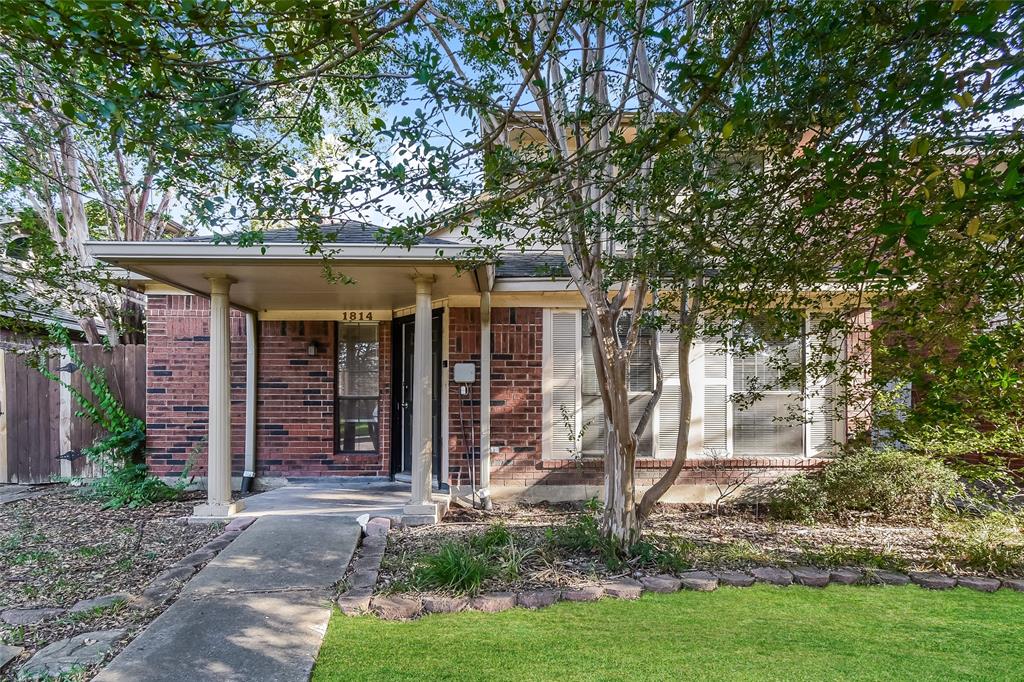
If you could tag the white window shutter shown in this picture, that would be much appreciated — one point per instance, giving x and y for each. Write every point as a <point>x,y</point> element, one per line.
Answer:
<point>564,363</point>
<point>668,405</point>
<point>716,397</point>
<point>820,397</point>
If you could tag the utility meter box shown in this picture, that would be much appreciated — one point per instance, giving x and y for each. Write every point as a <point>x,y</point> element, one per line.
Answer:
<point>464,372</point>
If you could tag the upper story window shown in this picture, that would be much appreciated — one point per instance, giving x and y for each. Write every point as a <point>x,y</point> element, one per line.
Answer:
<point>358,392</point>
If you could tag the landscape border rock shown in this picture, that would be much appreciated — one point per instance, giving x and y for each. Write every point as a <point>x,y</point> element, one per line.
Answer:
<point>932,581</point>
<point>359,599</point>
<point>63,656</point>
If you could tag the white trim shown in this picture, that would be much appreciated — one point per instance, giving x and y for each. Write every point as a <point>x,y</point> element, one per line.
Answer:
<point>112,252</point>
<point>513,284</point>
<point>545,385</point>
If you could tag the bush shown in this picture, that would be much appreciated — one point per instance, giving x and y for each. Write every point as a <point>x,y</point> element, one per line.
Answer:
<point>888,483</point>
<point>454,568</point>
<point>125,481</point>
<point>583,534</point>
<point>131,486</point>
<point>993,544</point>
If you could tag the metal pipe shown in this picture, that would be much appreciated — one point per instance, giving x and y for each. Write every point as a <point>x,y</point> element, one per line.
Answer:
<point>249,474</point>
<point>485,398</point>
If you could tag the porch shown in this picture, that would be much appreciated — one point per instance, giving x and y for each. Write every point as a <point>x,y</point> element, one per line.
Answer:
<point>395,292</point>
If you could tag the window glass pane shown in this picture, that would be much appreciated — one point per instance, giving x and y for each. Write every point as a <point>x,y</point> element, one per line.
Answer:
<point>768,426</point>
<point>772,424</point>
<point>358,388</point>
<point>357,360</point>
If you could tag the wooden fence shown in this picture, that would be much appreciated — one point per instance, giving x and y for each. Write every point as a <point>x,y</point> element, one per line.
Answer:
<point>38,425</point>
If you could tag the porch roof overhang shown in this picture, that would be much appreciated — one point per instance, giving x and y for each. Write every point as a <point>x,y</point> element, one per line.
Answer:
<point>287,277</point>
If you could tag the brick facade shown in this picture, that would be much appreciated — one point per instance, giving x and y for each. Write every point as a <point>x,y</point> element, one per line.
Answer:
<point>177,383</point>
<point>296,400</point>
<point>296,404</point>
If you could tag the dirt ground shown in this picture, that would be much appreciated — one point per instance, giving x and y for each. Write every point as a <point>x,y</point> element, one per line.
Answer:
<point>62,547</point>
<point>735,539</point>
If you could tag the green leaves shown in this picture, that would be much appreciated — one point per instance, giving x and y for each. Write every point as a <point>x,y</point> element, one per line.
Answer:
<point>959,188</point>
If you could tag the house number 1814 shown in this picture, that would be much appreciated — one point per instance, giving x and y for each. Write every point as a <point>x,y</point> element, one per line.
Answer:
<point>357,316</point>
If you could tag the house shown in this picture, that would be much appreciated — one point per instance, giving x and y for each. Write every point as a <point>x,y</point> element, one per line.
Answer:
<point>290,375</point>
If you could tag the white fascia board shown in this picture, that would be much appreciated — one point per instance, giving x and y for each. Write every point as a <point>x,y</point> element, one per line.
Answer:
<point>509,284</point>
<point>165,250</point>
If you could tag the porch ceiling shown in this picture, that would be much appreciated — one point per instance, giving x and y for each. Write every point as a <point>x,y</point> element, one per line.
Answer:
<point>288,279</point>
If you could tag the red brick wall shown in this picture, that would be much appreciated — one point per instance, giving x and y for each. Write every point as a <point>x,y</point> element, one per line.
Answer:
<point>177,383</point>
<point>295,405</point>
<point>463,410</point>
<point>516,402</point>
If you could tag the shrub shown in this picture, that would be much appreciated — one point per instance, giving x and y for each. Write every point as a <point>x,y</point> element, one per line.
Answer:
<point>797,498</point>
<point>125,481</point>
<point>131,486</point>
<point>454,567</point>
<point>993,544</point>
<point>584,535</point>
<point>888,483</point>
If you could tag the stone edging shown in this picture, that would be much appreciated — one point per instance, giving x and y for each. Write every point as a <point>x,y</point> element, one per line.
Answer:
<point>165,585</point>
<point>359,599</point>
<point>92,647</point>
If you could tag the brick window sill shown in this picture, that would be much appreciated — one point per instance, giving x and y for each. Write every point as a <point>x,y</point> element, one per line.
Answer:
<point>696,463</point>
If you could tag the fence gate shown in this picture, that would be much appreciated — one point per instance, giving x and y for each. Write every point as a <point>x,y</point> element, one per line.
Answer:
<point>37,417</point>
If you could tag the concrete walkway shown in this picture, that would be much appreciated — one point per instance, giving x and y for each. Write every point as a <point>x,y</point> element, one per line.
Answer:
<point>258,611</point>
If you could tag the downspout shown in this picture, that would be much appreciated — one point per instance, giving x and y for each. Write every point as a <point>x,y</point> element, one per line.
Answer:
<point>249,474</point>
<point>485,397</point>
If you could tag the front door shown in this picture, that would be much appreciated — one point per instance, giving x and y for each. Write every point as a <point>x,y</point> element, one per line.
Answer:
<point>404,381</point>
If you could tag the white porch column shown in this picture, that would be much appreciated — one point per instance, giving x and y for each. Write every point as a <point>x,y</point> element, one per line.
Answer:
<point>421,507</point>
<point>218,466</point>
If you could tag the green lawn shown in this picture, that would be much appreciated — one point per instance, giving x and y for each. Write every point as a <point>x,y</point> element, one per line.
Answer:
<point>758,633</point>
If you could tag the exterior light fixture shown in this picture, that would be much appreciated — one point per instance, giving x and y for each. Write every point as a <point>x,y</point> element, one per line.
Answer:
<point>312,348</point>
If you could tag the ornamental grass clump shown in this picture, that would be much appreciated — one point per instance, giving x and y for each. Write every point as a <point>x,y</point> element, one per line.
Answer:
<point>455,567</point>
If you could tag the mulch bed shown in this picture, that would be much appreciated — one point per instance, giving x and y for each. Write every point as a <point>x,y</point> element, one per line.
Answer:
<point>62,547</point>
<point>758,541</point>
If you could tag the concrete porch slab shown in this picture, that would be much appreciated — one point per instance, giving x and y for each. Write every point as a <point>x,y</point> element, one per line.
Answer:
<point>331,497</point>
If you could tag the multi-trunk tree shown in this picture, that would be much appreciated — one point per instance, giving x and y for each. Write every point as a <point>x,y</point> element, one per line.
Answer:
<point>721,170</point>
<point>705,169</point>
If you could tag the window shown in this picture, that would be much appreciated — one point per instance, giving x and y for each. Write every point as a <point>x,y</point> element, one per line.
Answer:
<point>358,400</point>
<point>755,402</point>
<point>641,387</point>
<point>767,403</point>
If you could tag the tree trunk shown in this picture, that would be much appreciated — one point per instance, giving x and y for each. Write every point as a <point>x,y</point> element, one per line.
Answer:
<point>620,522</point>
